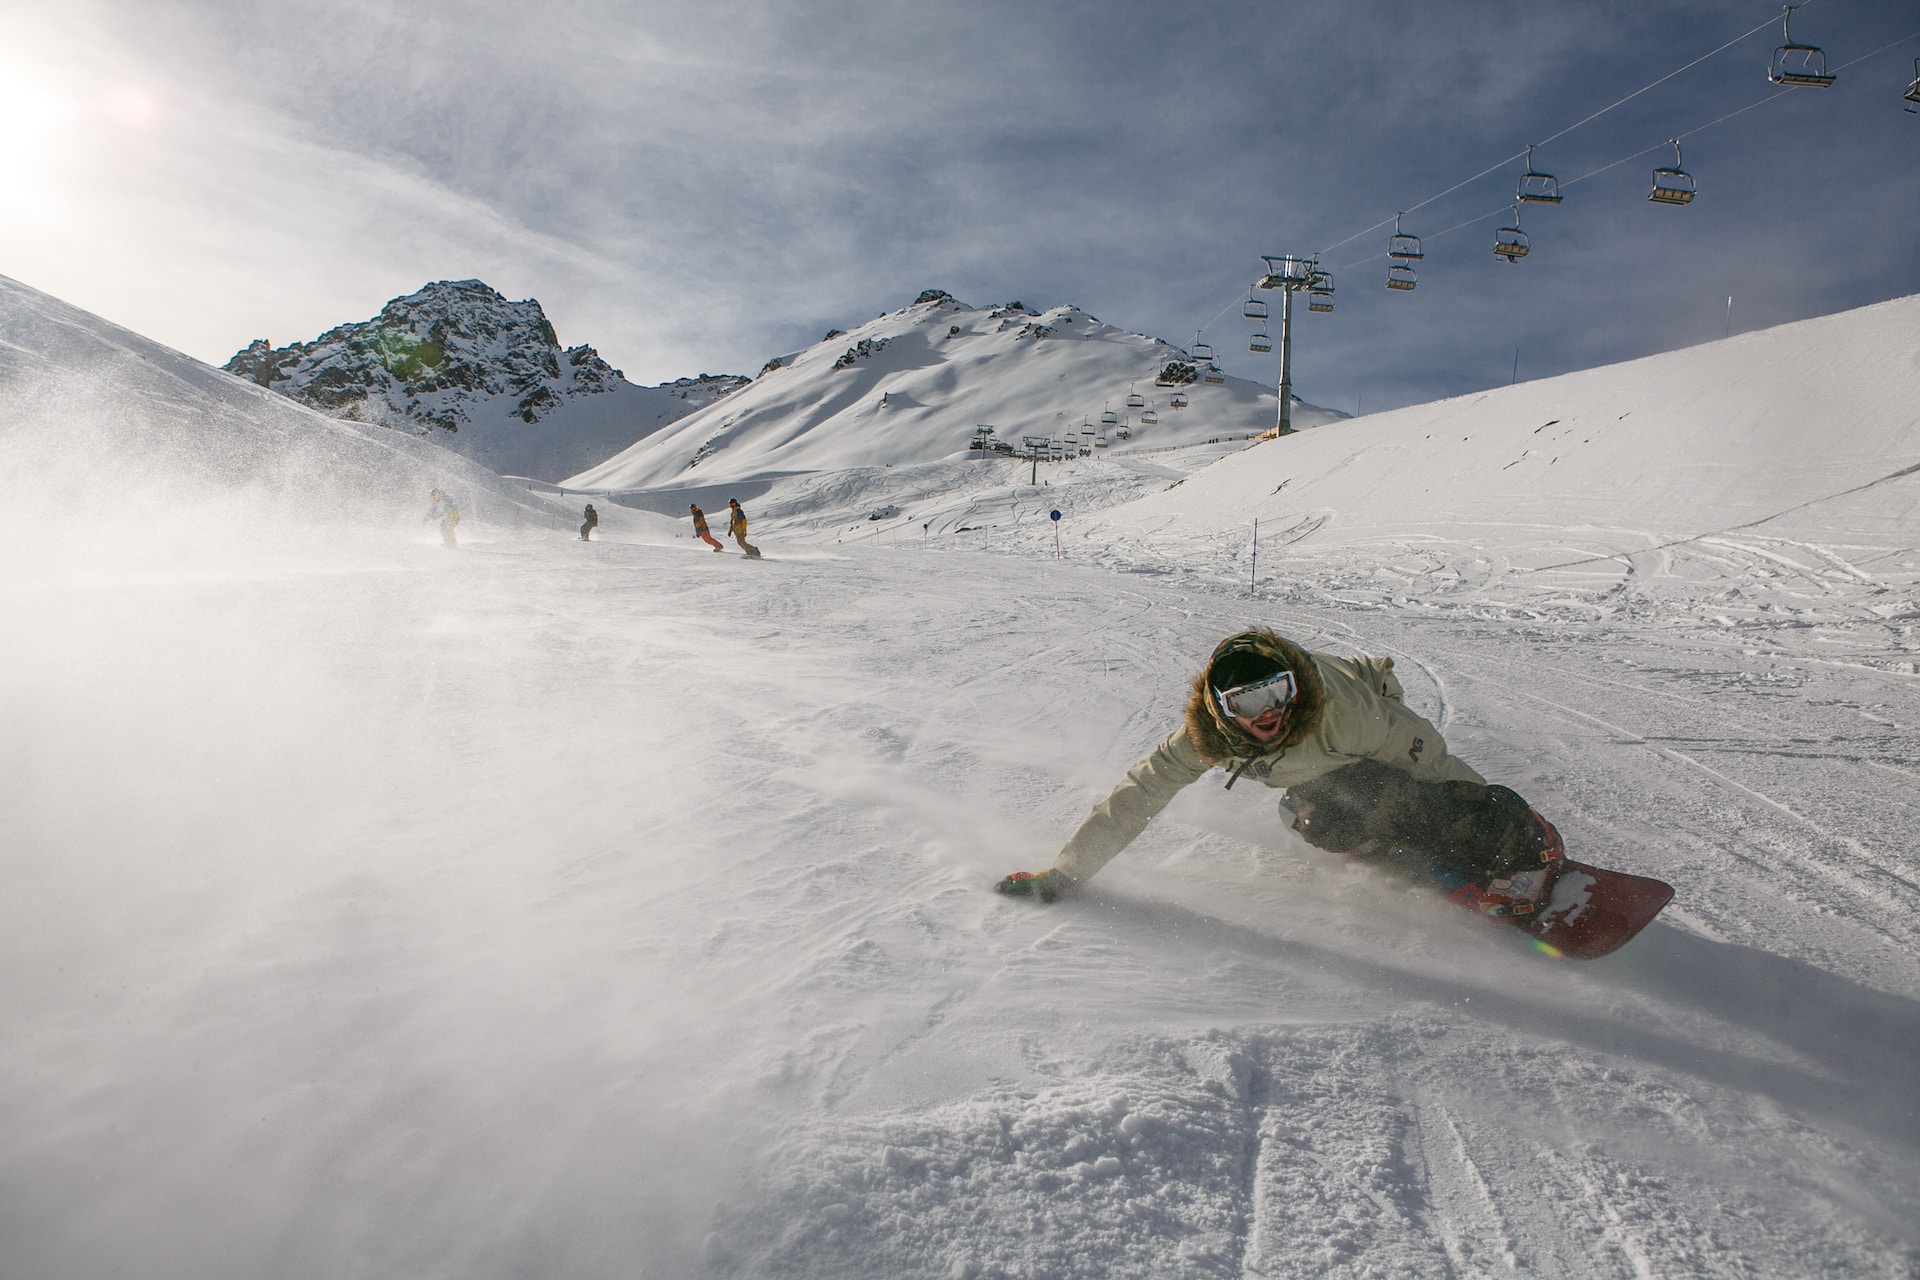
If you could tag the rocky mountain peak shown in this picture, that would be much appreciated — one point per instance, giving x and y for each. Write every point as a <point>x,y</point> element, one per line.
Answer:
<point>459,360</point>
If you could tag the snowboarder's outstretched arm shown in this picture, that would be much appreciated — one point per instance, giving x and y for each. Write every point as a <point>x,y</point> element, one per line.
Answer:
<point>1148,787</point>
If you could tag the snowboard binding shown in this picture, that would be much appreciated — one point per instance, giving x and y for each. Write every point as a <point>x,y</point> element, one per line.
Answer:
<point>1523,891</point>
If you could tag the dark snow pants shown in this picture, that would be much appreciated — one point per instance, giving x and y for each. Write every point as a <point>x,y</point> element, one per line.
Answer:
<point>1444,831</point>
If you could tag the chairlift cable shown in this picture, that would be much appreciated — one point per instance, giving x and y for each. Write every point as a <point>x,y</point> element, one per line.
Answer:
<point>1501,164</point>
<point>1643,152</point>
<point>1876,53</point>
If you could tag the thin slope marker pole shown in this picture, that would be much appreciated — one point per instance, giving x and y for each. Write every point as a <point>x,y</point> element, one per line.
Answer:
<point>1253,574</point>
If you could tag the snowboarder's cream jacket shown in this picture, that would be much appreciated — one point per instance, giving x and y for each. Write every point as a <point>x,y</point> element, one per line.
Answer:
<point>1347,709</point>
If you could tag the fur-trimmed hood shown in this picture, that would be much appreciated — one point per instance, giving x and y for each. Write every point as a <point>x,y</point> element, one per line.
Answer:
<point>1216,737</point>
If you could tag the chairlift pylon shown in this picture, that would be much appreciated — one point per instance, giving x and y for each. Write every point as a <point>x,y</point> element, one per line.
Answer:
<point>1801,65</point>
<point>1536,187</point>
<point>1511,242</point>
<point>1672,186</point>
<point>1400,275</point>
<point>1403,246</point>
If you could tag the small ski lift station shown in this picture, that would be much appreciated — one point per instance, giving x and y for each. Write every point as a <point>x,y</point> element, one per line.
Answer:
<point>1510,243</point>
<point>1672,185</point>
<point>1800,65</point>
<point>1537,187</point>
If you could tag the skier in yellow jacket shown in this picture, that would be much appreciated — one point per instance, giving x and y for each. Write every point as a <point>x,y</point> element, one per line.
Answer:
<point>1363,774</point>
<point>737,526</point>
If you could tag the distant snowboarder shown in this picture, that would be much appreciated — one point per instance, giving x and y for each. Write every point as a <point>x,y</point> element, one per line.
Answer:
<point>700,527</point>
<point>444,509</point>
<point>737,526</point>
<point>591,523</point>
<point>1364,776</point>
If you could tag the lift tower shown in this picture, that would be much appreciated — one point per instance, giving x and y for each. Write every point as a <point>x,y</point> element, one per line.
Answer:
<point>1289,275</point>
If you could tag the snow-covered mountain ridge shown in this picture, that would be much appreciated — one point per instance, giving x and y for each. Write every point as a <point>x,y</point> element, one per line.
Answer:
<point>917,385</point>
<point>486,376</point>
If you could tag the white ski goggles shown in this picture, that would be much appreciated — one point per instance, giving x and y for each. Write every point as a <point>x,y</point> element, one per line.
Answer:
<point>1248,701</point>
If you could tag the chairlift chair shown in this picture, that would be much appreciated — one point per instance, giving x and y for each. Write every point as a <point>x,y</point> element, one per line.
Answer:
<point>1124,431</point>
<point>1511,242</point>
<point>1320,292</point>
<point>1256,308</point>
<point>1213,374</point>
<point>1537,187</point>
<point>1135,400</point>
<point>1401,276</point>
<point>1109,418</point>
<point>1672,186</point>
<point>1913,90</point>
<point>1202,353</point>
<point>1260,343</point>
<point>1179,401</point>
<point>1403,246</point>
<point>1147,419</point>
<point>1802,65</point>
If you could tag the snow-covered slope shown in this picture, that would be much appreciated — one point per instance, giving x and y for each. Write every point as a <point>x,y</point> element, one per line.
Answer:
<point>485,376</point>
<point>1799,423</point>
<point>624,908</point>
<point>914,385</point>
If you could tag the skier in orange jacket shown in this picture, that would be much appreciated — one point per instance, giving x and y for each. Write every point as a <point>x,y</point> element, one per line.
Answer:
<point>700,527</point>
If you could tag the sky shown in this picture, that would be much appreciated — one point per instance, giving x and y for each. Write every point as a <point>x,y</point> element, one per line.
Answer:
<point>698,187</point>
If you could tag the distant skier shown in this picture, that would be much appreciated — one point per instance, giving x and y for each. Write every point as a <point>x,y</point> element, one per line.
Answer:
<point>737,526</point>
<point>700,527</point>
<point>444,509</point>
<point>591,523</point>
<point>1363,775</point>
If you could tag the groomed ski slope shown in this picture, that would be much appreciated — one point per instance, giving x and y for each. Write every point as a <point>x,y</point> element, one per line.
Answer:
<point>622,909</point>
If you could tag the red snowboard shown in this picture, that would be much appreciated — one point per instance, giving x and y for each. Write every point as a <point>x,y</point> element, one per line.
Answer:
<point>1594,912</point>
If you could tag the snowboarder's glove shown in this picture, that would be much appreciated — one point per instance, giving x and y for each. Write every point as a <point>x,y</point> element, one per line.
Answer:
<point>1044,885</point>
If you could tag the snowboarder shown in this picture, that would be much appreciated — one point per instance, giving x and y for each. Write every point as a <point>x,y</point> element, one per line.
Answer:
<point>737,526</point>
<point>591,523</point>
<point>444,509</point>
<point>1364,776</point>
<point>700,527</point>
